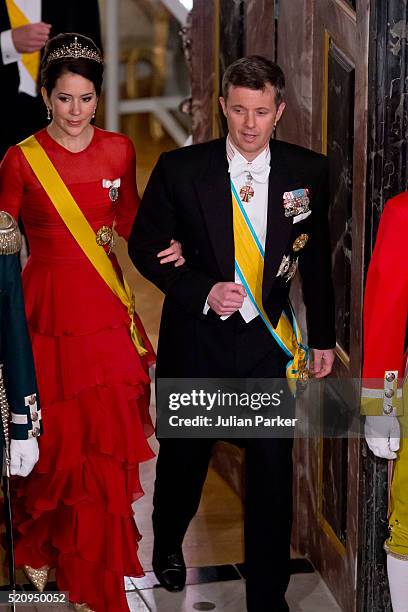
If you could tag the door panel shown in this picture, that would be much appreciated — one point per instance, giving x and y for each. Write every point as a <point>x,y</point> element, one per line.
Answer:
<point>329,110</point>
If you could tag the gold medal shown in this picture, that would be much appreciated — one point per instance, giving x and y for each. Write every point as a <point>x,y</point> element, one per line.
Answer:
<point>300,242</point>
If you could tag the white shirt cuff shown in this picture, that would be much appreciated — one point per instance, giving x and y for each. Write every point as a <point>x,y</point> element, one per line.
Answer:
<point>8,51</point>
<point>206,307</point>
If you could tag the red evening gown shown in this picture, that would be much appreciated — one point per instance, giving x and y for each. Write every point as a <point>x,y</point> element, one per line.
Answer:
<point>74,511</point>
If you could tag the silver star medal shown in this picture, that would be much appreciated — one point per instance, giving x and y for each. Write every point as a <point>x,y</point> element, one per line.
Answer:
<point>292,270</point>
<point>284,266</point>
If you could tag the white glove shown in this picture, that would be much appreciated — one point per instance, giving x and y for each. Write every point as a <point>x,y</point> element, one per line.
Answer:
<point>24,455</point>
<point>383,435</point>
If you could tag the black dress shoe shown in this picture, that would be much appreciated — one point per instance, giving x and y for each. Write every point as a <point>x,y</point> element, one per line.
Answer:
<point>170,570</point>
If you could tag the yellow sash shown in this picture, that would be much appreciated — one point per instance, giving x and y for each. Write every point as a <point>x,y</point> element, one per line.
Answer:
<point>249,265</point>
<point>79,227</point>
<point>17,19</point>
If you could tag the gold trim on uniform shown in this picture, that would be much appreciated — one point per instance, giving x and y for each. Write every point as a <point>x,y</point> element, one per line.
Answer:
<point>10,236</point>
<point>394,554</point>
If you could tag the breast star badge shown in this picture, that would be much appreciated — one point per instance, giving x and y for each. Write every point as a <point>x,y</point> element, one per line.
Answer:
<point>284,266</point>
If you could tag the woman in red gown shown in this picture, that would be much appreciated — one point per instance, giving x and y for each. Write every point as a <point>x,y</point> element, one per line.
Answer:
<point>73,513</point>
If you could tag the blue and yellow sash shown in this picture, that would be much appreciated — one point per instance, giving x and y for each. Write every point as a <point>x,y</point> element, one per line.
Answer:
<point>80,229</point>
<point>249,266</point>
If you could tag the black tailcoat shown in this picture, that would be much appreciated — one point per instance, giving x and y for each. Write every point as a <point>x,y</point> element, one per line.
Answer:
<point>189,197</point>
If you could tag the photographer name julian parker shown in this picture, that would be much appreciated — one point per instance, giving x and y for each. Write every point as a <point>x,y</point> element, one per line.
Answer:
<point>231,421</point>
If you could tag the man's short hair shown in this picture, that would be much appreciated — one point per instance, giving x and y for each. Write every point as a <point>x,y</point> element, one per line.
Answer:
<point>254,72</point>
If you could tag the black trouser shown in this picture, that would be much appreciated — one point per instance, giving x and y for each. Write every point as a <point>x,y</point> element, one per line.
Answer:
<point>183,463</point>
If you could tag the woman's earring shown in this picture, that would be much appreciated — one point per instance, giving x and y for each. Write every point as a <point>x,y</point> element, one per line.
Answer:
<point>48,113</point>
<point>94,113</point>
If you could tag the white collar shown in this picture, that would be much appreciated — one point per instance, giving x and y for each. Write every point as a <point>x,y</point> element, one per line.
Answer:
<point>264,156</point>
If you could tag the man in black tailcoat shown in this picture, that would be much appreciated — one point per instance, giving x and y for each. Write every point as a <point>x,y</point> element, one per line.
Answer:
<point>210,327</point>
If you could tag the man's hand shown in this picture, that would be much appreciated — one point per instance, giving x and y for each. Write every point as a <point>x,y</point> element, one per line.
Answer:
<point>31,37</point>
<point>226,298</point>
<point>23,456</point>
<point>173,253</point>
<point>322,362</point>
<point>383,435</point>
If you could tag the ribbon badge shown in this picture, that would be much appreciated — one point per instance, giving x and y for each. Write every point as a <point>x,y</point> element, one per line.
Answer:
<point>113,187</point>
<point>296,202</point>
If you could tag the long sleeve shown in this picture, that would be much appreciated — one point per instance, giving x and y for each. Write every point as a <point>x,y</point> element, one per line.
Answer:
<point>385,313</point>
<point>315,271</point>
<point>129,200</point>
<point>155,225</point>
<point>9,53</point>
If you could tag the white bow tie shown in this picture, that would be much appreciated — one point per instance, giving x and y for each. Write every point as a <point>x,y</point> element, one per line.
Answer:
<point>259,169</point>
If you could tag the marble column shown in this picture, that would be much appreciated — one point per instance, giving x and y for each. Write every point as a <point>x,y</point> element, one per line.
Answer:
<point>217,41</point>
<point>260,28</point>
<point>387,175</point>
<point>295,56</point>
<point>388,109</point>
<point>205,73</point>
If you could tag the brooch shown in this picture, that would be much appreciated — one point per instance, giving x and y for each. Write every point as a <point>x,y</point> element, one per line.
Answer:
<point>296,202</point>
<point>104,237</point>
<point>113,187</point>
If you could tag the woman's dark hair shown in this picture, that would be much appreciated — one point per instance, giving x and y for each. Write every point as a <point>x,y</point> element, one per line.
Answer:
<point>56,60</point>
<point>254,72</point>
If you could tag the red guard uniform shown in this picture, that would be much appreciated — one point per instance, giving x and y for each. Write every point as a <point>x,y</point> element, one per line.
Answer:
<point>385,322</point>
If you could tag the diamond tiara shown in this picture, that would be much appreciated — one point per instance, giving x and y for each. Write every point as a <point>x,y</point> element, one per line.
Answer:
<point>76,51</point>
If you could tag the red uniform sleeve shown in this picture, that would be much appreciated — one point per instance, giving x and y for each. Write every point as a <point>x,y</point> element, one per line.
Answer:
<point>386,299</point>
<point>11,182</point>
<point>129,200</point>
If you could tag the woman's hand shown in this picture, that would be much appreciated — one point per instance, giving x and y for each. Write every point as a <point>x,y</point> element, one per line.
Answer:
<point>173,253</point>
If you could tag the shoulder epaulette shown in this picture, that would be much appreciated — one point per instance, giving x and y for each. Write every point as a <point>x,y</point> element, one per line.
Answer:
<point>10,236</point>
